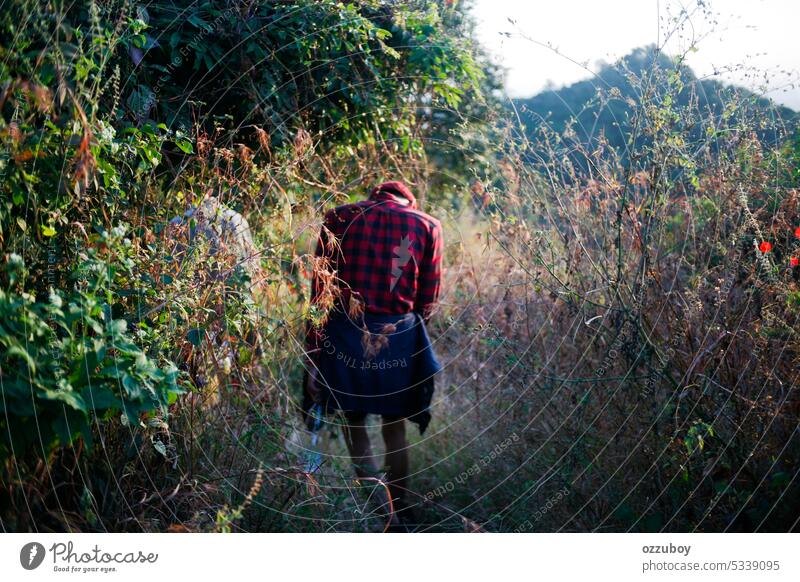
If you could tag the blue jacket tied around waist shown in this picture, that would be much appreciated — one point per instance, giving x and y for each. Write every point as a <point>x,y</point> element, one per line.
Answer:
<point>383,364</point>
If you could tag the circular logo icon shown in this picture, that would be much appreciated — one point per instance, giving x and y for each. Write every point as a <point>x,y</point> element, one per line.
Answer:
<point>31,555</point>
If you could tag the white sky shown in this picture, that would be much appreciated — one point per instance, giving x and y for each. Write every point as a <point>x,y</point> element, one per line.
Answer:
<point>753,36</point>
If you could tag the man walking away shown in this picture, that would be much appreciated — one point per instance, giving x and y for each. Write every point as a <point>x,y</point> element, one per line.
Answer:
<point>373,355</point>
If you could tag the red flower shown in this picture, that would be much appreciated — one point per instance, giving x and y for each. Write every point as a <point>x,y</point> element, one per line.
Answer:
<point>765,247</point>
<point>797,232</point>
<point>794,261</point>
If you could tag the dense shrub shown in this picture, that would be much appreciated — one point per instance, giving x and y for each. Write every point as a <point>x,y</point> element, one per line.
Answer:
<point>69,361</point>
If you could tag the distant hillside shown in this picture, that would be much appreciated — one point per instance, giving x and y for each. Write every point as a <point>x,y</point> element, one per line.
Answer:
<point>602,106</point>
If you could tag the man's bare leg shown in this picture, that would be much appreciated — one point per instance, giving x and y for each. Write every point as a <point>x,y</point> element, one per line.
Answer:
<point>394,436</point>
<point>357,439</point>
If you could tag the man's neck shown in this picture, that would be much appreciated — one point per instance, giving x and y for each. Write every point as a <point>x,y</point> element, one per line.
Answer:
<point>399,200</point>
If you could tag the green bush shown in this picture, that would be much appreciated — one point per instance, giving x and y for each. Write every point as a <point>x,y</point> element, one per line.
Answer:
<point>67,362</point>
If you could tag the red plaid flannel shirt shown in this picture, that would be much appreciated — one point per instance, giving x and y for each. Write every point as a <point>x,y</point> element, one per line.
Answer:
<point>386,252</point>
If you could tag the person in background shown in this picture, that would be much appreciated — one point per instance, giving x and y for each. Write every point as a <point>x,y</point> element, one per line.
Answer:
<point>380,274</point>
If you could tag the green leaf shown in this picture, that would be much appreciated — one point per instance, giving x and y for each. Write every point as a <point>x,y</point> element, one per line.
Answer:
<point>185,145</point>
<point>65,429</point>
<point>195,336</point>
<point>160,447</point>
<point>99,398</point>
<point>68,397</point>
<point>198,22</point>
<point>118,326</point>
<point>132,386</point>
<point>22,353</point>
